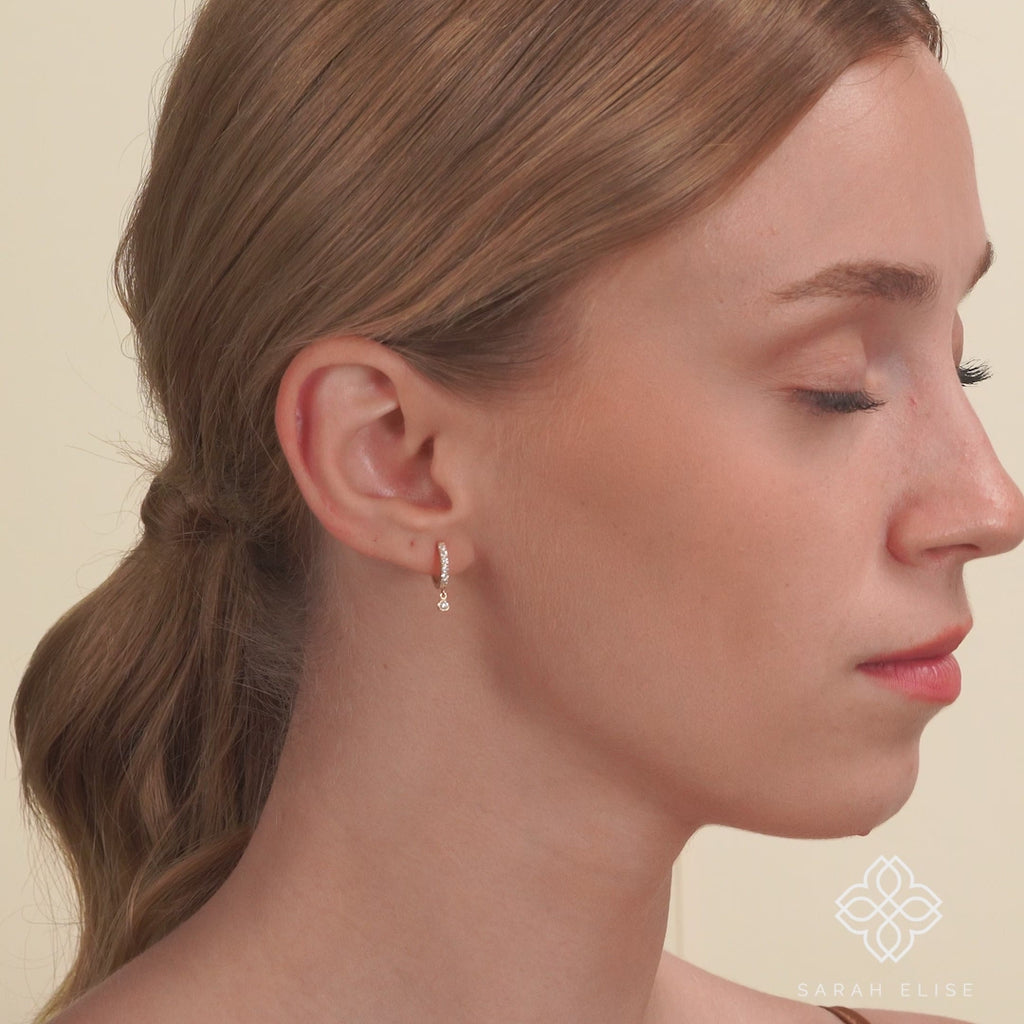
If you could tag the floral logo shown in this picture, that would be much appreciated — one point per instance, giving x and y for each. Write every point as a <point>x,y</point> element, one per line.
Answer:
<point>889,909</point>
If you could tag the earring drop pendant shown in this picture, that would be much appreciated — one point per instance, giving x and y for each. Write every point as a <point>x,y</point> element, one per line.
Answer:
<point>442,603</point>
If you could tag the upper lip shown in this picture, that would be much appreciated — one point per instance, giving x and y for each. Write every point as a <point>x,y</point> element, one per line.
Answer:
<point>943,645</point>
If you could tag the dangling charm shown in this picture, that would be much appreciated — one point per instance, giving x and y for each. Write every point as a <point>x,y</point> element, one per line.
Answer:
<point>443,581</point>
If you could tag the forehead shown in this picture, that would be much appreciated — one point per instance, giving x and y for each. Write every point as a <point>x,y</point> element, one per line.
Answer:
<point>881,168</point>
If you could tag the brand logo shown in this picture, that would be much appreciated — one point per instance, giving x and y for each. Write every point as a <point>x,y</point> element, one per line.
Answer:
<point>889,909</point>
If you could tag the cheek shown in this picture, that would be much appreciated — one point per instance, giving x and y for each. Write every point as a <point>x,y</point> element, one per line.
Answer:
<point>696,516</point>
<point>692,583</point>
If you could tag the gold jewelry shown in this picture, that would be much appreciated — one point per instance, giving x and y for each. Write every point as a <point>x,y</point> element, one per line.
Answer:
<point>443,581</point>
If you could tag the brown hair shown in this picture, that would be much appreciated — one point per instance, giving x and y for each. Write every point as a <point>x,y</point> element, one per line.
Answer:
<point>428,173</point>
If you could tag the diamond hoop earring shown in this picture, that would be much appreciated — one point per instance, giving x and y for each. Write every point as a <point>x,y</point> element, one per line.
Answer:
<point>442,603</point>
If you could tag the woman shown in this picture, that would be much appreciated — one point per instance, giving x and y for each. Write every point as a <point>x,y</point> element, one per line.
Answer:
<point>632,328</point>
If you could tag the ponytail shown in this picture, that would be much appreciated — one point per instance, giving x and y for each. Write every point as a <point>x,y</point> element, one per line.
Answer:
<point>150,720</point>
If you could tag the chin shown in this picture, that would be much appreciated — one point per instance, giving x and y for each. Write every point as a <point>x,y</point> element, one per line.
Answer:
<point>850,806</point>
<point>875,806</point>
<point>836,822</point>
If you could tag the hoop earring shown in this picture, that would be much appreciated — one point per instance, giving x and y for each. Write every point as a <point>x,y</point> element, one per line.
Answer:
<point>442,603</point>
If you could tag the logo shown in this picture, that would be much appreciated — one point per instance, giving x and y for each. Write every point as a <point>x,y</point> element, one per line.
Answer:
<point>889,909</point>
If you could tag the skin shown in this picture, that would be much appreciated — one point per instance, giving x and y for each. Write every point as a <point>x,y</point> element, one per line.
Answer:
<point>666,567</point>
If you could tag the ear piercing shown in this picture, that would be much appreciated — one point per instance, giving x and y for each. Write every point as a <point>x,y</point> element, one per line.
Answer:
<point>442,603</point>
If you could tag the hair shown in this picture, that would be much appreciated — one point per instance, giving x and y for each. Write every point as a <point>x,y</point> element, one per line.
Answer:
<point>432,174</point>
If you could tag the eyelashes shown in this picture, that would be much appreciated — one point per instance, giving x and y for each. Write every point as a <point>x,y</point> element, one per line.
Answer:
<point>973,372</point>
<point>842,401</point>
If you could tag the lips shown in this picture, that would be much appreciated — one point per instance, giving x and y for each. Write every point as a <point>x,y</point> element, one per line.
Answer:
<point>941,647</point>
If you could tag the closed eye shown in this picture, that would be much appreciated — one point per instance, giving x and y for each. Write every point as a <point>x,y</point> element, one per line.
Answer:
<point>973,372</point>
<point>841,401</point>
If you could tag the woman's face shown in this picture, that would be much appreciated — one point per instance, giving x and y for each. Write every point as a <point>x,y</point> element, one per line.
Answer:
<point>697,551</point>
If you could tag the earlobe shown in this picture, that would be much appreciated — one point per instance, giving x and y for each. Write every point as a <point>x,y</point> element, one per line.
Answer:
<point>365,472</point>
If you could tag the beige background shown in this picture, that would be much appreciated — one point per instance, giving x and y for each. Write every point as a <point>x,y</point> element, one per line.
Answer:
<point>78,85</point>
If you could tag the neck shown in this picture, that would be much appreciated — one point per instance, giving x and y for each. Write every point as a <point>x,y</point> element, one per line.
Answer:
<point>433,851</point>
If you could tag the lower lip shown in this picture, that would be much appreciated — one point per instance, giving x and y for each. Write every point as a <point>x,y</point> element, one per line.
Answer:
<point>934,679</point>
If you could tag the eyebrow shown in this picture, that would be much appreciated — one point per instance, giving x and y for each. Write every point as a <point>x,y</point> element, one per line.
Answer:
<point>875,279</point>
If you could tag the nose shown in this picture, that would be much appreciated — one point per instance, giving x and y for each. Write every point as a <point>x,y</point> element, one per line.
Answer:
<point>957,500</point>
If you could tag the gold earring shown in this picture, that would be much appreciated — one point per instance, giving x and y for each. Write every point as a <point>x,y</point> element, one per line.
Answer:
<point>442,603</point>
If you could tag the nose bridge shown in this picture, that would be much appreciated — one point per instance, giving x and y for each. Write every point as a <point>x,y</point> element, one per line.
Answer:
<point>963,495</point>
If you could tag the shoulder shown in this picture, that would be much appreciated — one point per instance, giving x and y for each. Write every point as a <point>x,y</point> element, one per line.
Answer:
<point>96,1010</point>
<point>694,995</point>
<point>880,1016</point>
<point>126,998</point>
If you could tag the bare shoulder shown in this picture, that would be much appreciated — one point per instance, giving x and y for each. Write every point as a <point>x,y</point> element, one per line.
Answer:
<point>87,1012</point>
<point>693,995</point>
<point>696,996</point>
<point>880,1016</point>
<point>128,996</point>
<point>98,1008</point>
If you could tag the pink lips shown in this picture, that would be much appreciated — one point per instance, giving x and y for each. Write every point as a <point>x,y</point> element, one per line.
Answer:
<point>927,672</point>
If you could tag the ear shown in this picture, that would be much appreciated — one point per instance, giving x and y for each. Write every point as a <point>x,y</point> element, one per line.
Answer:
<point>381,455</point>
